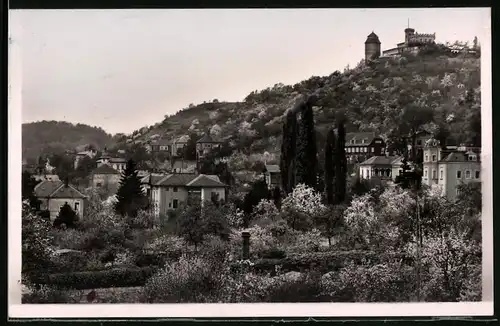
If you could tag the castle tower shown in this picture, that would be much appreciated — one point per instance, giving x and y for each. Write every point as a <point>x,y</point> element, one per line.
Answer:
<point>409,32</point>
<point>432,153</point>
<point>372,47</point>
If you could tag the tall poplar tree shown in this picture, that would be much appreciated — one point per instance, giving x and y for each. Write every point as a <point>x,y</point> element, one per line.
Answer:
<point>330,161</point>
<point>340,164</point>
<point>288,150</point>
<point>307,160</point>
<point>130,195</point>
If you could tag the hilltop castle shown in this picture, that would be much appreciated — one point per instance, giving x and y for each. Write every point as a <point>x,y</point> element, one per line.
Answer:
<point>413,42</point>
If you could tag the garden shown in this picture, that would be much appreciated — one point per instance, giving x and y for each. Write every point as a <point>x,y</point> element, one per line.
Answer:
<point>386,244</point>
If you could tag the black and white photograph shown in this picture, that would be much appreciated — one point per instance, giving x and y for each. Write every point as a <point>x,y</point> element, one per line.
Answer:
<point>249,156</point>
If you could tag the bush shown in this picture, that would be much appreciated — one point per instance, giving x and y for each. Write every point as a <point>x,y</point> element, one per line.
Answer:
<point>388,282</point>
<point>188,280</point>
<point>99,279</point>
<point>306,288</point>
<point>324,261</point>
<point>45,294</point>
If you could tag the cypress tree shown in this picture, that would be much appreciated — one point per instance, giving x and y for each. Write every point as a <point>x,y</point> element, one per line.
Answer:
<point>306,164</point>
<point>288,150</point>
<point>340,164</point>
<point>130,195</point>
<point>330,161</point>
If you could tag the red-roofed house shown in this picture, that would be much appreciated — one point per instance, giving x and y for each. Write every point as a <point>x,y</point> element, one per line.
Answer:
<point>169,191</point>
<point>54,194</point>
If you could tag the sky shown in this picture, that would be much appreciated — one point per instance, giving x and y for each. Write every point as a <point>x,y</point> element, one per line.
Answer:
<point>125,69</point>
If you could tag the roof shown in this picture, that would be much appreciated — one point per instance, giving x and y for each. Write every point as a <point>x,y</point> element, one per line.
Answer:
<point>207,139</point>
<point>46,188</point>
<point>56,189</point>
<point>46,177</point>
<point>67,192</point>
<point>152,178</point>
<point>117,160</point>
<point>457,157</point>
<point>380,160</point>
<point>177,179</point>
<point>372,38</point>
<point>163,142</point>
<point>359,136</point>
<point>105,169</point>
<point>205,181</point>
<point>272,168</point>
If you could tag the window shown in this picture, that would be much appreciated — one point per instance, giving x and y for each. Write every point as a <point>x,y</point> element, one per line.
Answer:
<point>175,203</point>
<point>169,205</point>
<point>77,207</point>
<point>441,173</point>
<point>434,176</point>
<point>477,174</point>
<point>362,173</point>
<point>433,158</point>
<point>362,141</point>
<point>167,188</point>
<point>352,141</point>
<point>425,173</point>
<point>467,174</point>
<point>419,142</point>
<point>365,149</point>
<point>98,185</point>
<point>426,158</point>
<point>459,174</point>
<point>175,189</point>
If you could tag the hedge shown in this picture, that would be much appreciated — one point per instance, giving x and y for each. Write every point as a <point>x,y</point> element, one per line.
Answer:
<point>119,277</point>
<point>326,261</point>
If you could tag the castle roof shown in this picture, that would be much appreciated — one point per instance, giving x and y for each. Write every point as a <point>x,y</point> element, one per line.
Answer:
<point>372,38</point>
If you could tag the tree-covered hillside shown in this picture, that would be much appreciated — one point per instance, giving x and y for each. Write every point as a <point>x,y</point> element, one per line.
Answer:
<point>49,137</point>
<point>434,90</point>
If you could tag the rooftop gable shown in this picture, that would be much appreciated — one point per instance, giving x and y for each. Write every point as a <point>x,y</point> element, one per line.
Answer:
<point>205,181</point>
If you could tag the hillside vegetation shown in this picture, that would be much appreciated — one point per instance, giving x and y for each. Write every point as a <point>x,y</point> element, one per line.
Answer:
<point>439,89</point>
<point>49,137</point>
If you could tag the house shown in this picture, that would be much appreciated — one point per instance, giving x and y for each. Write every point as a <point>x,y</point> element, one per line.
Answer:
<point>117,163</point>
<point>381,167</point>
<point>169,191</point>
<point>106,178</point>
<point>205,144</point>
<point>450,168</point>
<point>81,155</point>
<point>272,176</point>
<point>160,145</point>
<point>54,194</point>
<point>183,166</point>
<point>178,144</point>
<point>360,146</point>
